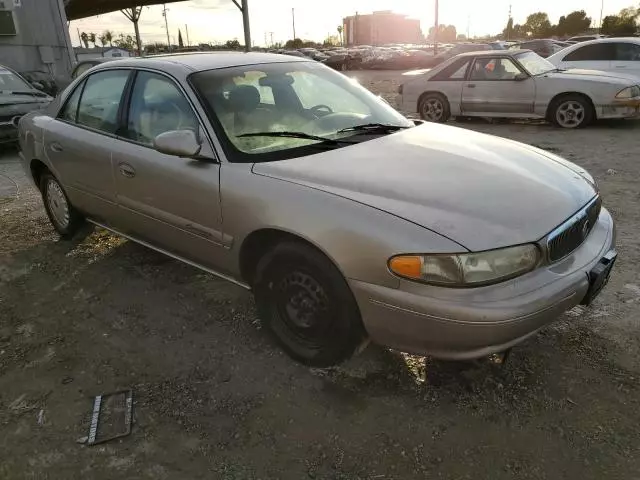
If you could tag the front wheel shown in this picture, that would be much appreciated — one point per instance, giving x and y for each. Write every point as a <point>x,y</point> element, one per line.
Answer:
<point>62,215</point>
<point>572,111</point>
<point>304,300</point>
<point>434,107</point>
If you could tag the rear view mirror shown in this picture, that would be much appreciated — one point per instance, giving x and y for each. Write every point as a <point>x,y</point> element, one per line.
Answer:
<point>182,143</point>
<point>520,77</point>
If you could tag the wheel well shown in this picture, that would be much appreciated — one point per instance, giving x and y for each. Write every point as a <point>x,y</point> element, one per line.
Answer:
<point>258,243</point>
<point>424,94</point>
<point>37,169</point>
<point>568,94</point>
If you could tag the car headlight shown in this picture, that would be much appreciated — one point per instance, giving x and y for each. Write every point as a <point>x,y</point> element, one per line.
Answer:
<point>467,269</point>
<point>629,92</point>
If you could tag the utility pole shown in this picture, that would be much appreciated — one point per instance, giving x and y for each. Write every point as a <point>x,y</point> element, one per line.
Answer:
<point>79,38</point>
<point>186,27</point>
<point>509,23</point>
<point>271,33</point>
<point>293,20</point>
<point>166,24</point>
<point>601,11</point>
<point>435,32</point>
<point>244,8</point>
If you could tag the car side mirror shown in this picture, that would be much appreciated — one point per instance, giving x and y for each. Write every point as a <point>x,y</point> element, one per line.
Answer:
<point>520,77</point>
<point>37,85</point>
<point>182,143</point>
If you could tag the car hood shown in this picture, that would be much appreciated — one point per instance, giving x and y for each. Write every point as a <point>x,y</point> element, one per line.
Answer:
<point>481,191</point>
<point>594,75</point>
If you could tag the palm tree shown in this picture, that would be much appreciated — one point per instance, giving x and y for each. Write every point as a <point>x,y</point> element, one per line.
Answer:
<point>108,35</point>
<point>340,33</point>
<point>103,40</point>
<point>85,39</point>
<point>92,39</point>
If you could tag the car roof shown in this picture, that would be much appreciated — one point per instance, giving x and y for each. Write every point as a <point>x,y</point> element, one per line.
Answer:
<point>493,53</point>
<point>195,62</point>
<point>611,40</point>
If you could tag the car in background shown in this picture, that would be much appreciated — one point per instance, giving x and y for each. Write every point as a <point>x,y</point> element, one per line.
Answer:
<point>519,84</point>
<point>456,50</point>
<point>17,98</point>
<point>616,55</point>
<point>586,38</point>
<point>345,219</point>
<point>543,47</point>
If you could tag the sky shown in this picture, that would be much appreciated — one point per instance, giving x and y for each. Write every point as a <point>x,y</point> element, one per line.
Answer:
<point>216,21</point>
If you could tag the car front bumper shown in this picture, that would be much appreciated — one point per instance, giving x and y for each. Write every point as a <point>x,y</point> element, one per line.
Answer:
<point>470,323</point>
<point>629,108</point>
<point>8,132</point>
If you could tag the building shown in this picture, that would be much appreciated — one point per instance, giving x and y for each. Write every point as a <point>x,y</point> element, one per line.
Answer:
<point>34,40</point>
<point>100,52</point>
<point>380,28</point>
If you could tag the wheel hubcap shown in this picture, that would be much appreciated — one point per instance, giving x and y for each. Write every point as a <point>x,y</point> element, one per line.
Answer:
<point>57,203</point>
<point>433,109</point>
<point>570,114</point>
<point>302,304</point>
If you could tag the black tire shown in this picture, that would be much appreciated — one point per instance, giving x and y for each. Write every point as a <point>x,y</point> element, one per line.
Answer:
<point>578,111</point>
<point>304,300</point>
<point>66,225</point>
<point>434,107</point>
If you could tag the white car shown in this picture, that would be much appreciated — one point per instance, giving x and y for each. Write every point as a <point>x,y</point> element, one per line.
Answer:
<point>619,55</point>
<point>518,84</point>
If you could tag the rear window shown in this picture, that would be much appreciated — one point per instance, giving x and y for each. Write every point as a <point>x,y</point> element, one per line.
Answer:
<point>594,52</point>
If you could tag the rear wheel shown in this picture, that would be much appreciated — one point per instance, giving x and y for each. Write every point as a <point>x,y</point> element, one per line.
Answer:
<point>434,107</point>
<point>572,111</point>
<point>305,302</point>
<point>62,215</point>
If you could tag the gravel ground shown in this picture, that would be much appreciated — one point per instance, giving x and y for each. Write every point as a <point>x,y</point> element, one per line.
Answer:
<point>214,398</point>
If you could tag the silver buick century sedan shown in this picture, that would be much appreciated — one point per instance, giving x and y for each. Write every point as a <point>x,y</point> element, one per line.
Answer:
<point>345,219</point>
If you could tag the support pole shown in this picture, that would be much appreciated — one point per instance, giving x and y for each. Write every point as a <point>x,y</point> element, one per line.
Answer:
<point>244,8</point>
<point>435,32</point>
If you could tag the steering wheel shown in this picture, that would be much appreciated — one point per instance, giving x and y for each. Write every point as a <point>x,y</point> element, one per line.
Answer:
<point>319,108</point>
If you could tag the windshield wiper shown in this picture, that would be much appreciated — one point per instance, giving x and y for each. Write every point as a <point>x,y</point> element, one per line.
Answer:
<point>373,127</point>
<point>26,92</point>
<point>306,136</point>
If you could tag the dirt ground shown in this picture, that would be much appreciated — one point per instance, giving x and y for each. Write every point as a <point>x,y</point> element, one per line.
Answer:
<point>214,398</point>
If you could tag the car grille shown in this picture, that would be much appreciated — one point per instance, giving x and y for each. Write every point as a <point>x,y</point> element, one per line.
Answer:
<point>570,235</point>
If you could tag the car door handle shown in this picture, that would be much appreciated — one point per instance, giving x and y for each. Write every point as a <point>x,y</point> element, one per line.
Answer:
<point>56,147</point>
<point>127,170</point>
<point>471,85</point>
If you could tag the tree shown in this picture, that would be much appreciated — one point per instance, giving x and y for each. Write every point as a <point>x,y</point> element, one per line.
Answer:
<point>233,44</point>
<point>507,33</point>
<point>180,42</point>
<point>340,33</point>
<point>125,42</point>
<point>446,33</point>
<point>108,35</point>
<point>85,39</point>
<point>573,24</point>
<point>538,25</point>
<point>621,25</point>
<point>92,39</point>
<point>103,40</point>
<point>295,43</point>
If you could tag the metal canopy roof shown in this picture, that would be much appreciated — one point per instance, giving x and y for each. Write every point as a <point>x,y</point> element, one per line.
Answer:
<point>86,8</point>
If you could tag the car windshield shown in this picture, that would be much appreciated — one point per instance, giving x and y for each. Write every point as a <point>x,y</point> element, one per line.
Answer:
<point>10,82</point>
<point>534,63</point>
<point>250,105</point>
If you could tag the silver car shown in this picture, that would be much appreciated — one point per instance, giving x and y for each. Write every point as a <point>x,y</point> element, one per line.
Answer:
<point>519,84</point>
<point>346,220</point>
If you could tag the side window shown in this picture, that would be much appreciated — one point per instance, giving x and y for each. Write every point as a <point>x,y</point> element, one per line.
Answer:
<point>101,99</point>
<point>494,69</point>
<point>70,109</point>
<point>594,52</point>
<point>157,106</point>
<point>455,72</point>
<point>627,52</point>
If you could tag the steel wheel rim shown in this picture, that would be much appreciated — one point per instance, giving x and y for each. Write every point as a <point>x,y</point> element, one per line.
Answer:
<point>570,114</point>
<point>433,109</point>
<point>58,205</point>
<point>302,304</point>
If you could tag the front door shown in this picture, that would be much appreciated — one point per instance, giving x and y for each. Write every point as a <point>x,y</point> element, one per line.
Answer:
<point>78,142</point>
<point>497,87</point>
<point>170,202</point>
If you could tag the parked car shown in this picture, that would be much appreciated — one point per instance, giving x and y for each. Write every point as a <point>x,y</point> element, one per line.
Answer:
<point>544,48</point>
<point>456,50</point>
<point>81,67</point>
<point>344,219</point>
<point>585,38</point>
<point>519,84</point>
<point>619,55</point>
<point>17,97</point>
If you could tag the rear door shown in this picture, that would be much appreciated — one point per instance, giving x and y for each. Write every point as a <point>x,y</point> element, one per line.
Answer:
<point>627,58</point>
<point>170,202</point>
<point>78,142</point>
<point>494,89</point>
<point>593,56</point>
